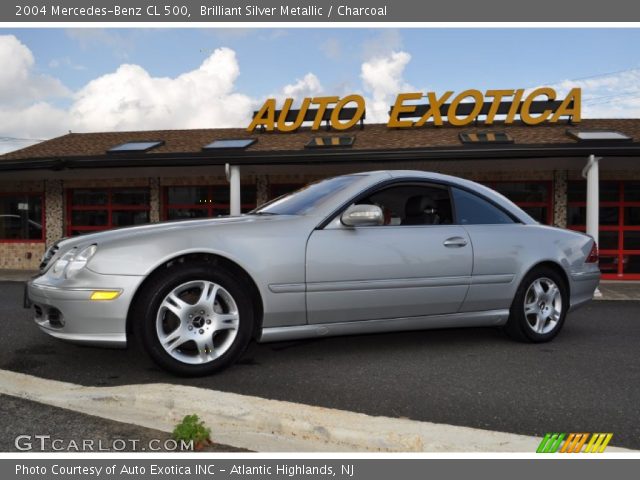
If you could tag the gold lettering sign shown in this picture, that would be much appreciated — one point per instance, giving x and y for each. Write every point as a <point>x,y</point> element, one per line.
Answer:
<point>440,107</point>
<point>520,104</point>
<point>266,116</point>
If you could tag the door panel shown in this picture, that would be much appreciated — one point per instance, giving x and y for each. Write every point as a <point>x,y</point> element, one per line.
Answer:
<point>498,253</point>
<point>370,273</point>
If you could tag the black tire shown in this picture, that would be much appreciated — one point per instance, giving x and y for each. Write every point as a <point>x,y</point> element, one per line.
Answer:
<point>520,326</point>
<point>156,290</point>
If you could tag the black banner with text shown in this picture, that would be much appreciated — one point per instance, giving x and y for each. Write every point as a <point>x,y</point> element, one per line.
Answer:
<point>264,11</point>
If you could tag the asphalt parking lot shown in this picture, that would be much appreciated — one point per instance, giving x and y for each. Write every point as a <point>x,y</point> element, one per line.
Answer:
<point>586,380</point>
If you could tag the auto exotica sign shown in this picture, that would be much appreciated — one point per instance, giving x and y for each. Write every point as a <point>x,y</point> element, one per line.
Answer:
<point>540,105</point>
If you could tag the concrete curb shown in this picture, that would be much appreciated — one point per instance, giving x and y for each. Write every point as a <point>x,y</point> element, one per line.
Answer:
<point>260,424</point>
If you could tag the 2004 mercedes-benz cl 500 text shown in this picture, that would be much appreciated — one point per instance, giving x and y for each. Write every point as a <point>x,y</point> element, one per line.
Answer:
<point>371,252</point>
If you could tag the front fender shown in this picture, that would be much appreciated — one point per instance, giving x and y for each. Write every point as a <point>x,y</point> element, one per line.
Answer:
<point>272,253</point>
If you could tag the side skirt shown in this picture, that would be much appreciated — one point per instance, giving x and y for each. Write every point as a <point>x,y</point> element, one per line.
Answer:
<point>454,320</point>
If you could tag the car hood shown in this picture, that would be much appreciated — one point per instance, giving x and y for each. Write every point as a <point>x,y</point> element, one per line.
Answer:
<point>152,229</point>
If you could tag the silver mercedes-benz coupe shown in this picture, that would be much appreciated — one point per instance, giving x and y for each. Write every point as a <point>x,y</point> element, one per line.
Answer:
<point>371,252</point>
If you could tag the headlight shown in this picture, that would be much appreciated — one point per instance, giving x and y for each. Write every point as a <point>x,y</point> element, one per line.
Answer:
<point>80,260</point>
<point>48,255</point>
<point>61,264</point>
<point>73,261</point>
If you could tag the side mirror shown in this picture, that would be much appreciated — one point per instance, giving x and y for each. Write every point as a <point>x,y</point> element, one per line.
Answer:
<point>362,216</point>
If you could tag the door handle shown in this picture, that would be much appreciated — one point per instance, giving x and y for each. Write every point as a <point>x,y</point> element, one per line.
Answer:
<point>454,242</point>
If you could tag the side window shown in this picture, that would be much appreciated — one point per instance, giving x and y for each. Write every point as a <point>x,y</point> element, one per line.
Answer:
<point>413,204</point>
<point>473,210</point>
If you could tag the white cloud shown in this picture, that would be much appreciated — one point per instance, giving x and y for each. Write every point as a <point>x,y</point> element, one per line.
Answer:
<point>307,86</point>
<point>127,99</point>
<point>382,78</point>
<point>19,83</point>
<point>37,121</point>
<point>130,98</point>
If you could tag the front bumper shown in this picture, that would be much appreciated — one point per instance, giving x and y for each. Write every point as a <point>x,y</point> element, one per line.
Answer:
<point>64,310</point>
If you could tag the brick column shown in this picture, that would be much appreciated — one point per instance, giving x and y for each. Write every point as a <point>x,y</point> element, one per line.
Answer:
<point>262,189</point>
<point>154,200</point>
<point>54,211</point>
<point>560,198</point>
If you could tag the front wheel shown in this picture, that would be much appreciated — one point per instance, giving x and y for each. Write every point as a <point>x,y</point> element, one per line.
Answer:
<point>539,307</point>
<point>195,320</point>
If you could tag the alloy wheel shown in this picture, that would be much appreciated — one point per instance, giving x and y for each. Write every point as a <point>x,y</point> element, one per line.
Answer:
<point>543,305</point>
<point>197,322</point>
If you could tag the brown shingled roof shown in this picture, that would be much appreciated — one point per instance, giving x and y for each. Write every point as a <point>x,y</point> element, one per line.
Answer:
<point>372,137</point>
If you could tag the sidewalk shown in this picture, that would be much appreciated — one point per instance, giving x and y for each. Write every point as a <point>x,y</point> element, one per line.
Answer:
<point>16,275</point>
<point>242,421</point>
<point>618,290</point>
<point>23,421</point>
<point>610,289</point>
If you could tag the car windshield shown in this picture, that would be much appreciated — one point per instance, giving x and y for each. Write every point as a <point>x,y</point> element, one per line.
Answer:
<point>306,199</point>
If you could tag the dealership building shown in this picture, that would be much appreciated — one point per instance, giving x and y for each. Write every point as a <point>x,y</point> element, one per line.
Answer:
<point>87,182</point>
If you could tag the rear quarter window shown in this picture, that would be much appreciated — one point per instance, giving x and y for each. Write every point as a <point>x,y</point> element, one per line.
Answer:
<point>471,209</point>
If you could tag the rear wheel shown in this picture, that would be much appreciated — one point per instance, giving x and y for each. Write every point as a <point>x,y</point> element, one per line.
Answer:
<point>195,320</point>
<point>539,307</point>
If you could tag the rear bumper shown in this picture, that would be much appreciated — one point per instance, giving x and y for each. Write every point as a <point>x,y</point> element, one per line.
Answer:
<point>583,285</point>
<point>67,313</point>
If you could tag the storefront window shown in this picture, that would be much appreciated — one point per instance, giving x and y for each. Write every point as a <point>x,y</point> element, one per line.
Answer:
<point>609,191</point>
<point>21,217</point>
<point>632,216</point>
<point>608,240</point>
<point>577,215</point>
<point>609,264</point>
<point>278,189</point>
<point>187,195</point>
<point>90,210</point>
<point>619,234</point>
<point>632,240</point>
<point>533,197</point>
<point>632,191</point>
<point>183,203</point>
<point>129,217</point>
<point>90,218</point>
<point>82,197</point>
<point>633,265</point>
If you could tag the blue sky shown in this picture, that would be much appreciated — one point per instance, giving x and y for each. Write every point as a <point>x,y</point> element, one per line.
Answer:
<point>442,58</point>
<point>62,79</point>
